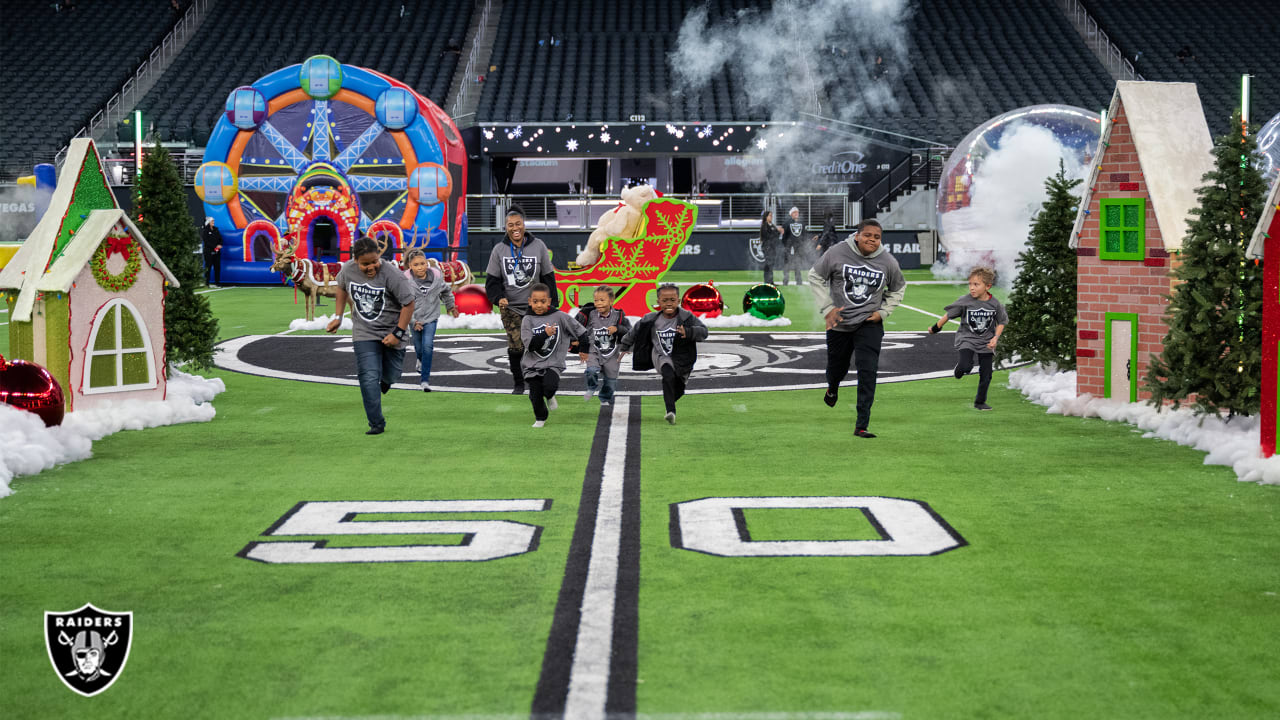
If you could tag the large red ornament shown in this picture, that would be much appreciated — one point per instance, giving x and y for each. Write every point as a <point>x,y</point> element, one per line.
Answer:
<point>29,386</point>
<point>471,300</point>
<point>703,300</point>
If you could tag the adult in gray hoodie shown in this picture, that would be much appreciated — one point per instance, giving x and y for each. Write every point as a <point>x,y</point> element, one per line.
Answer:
<point>856,284</point>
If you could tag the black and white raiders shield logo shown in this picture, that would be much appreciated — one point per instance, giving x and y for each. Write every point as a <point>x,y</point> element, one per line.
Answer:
<point>520,271</point>
<point>605,343</point>
<point>797,229</point>
<point>666,340</point>
<point>755,246</point>
<point>88,647</point>
<point>367,300</point>
<point>979,319</point>
<point>861,282</point>
<point>549,346</point>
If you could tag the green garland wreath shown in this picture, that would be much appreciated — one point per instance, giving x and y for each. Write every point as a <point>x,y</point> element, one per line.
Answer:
<point>126,278</point>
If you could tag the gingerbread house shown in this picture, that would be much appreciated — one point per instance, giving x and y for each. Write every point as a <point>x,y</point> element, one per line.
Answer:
<point>1154,150</point>
<point>86,293</point>
<point>1266,244</point>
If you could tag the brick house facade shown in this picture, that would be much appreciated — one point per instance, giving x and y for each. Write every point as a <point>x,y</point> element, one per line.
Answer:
<point>1154,148</point>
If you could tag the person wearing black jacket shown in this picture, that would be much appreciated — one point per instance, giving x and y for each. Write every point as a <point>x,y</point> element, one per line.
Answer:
<point>668,341</point>
<point>770,245</point>
<point>515,265</point>
<point>828,236</point>
<point>211,242</point>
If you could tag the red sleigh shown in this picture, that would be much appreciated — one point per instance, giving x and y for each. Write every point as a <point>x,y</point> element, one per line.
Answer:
<point>633,266</point>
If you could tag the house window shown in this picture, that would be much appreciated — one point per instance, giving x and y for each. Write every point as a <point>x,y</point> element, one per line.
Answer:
<point>1123,223</point>
<point>120,356</point>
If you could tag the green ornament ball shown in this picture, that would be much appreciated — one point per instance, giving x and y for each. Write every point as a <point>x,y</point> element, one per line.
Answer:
<point>764,301</point>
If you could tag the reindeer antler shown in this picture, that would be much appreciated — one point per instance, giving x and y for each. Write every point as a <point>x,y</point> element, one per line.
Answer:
<point>415,245</point>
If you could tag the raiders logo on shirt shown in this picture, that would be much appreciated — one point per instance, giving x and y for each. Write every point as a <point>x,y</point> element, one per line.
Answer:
<point>666,340</point>
<point>797,228</point>
<point>367,300</point>
<point>520,271</point>
<point>979,319</point>
<point>549,346</point>
<point>861,282</point>
<point>605,343</point>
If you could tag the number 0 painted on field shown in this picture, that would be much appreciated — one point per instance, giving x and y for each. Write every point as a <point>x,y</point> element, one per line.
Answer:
<point>481,539</point>
<point>907,527</point>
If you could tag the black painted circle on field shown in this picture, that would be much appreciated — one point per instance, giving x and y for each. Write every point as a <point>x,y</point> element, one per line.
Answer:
<point>727,361</point>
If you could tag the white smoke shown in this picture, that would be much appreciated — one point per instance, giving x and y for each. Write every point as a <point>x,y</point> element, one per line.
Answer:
<point>816,57</point>
<point>1005,194</point>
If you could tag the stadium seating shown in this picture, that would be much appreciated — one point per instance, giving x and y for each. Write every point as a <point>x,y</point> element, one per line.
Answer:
<point>963,63</point>
<point>1221,44</point>
<point>242,40</point>
<point>60,68</point>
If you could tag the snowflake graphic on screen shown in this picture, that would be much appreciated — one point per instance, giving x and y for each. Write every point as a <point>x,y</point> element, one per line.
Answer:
<point>604,137</point>
<point>572,145</point>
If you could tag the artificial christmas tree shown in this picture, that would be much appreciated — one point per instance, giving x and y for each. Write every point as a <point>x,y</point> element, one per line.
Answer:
<point>1212,355</point>
<point>160,212</point>
<point>1042,304</point>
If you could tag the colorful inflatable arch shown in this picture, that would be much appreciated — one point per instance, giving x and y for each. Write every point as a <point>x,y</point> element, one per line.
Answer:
<point>323,153</point>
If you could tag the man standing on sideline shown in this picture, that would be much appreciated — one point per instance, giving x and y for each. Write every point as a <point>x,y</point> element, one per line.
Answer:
<point>211,240</point>
<point>792,245</point>
<point>856,286</point>
<point>515,265</point>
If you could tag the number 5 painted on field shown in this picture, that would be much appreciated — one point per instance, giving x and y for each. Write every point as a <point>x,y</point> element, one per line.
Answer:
<point>481,539</point>
<point>717,526</point>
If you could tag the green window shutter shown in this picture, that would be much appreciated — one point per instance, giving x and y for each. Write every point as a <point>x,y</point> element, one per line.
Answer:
<point>102,371</point>
<point>1122,228</point>
<point>135,368</point>
<point>130,336</point>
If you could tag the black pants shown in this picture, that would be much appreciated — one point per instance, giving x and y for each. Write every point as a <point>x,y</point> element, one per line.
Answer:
<point>984,371</point>
<point>793,260</point>
<point>772,259</point>
<point>541,389</point>
<point>863,346</point>
<point>213,267</point>
<point>672,387</point>
<point>513,358</point>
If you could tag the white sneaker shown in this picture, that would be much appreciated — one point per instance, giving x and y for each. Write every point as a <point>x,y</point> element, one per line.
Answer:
<point>671,418</point>
<point>586,396</point>
<point>539,423</point>
<point>552,404</point>
<point>426,387</point>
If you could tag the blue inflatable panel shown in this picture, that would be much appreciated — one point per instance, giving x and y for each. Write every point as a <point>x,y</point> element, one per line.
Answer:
<point>280,81</point>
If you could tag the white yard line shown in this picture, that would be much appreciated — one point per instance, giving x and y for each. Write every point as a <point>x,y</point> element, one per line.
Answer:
<point>589,673</point>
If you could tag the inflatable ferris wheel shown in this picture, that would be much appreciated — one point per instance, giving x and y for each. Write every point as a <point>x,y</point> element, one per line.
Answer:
<point>322,144</point>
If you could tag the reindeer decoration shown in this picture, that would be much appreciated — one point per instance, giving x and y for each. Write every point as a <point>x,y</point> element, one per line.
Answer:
<point>312,278</point>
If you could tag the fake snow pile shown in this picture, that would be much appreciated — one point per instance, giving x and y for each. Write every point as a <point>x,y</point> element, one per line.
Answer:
<point>28,447</point>
<point>320,323</point>
<point>1235,443</point>
<point>744,320</point>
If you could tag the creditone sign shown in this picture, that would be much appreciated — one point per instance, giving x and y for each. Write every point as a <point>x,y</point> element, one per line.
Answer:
<point>856,167</point>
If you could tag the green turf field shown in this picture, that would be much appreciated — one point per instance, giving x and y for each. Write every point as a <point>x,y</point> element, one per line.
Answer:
<point>1097,573</point>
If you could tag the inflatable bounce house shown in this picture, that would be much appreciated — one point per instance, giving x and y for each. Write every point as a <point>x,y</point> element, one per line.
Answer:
<point>322,153</point>
<point>1138,197</point>
<point>86,293</point>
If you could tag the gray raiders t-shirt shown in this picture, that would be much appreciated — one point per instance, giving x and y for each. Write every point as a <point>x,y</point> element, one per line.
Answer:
<point>604,347</point>
<point>519,269</point>
<point>664,338</point>
<point>978,321</point>
<point>375,301</point>
<point>551,356</point>
<point>857,282</point>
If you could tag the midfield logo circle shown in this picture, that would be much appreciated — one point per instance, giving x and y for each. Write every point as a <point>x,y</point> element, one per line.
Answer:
<point>727,362</point>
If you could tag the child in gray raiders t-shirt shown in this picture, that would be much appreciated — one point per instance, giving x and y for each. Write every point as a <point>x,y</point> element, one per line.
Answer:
<point>606,326</point>
<point>546,334</point>
<point>982,320</point>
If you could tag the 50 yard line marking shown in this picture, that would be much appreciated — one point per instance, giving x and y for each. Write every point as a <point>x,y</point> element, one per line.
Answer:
<point>589,668</point>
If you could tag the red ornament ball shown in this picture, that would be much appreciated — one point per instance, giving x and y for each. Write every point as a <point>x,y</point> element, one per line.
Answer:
<point>703,300</point>
<point>472,300</point>
<point>30,387</point>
